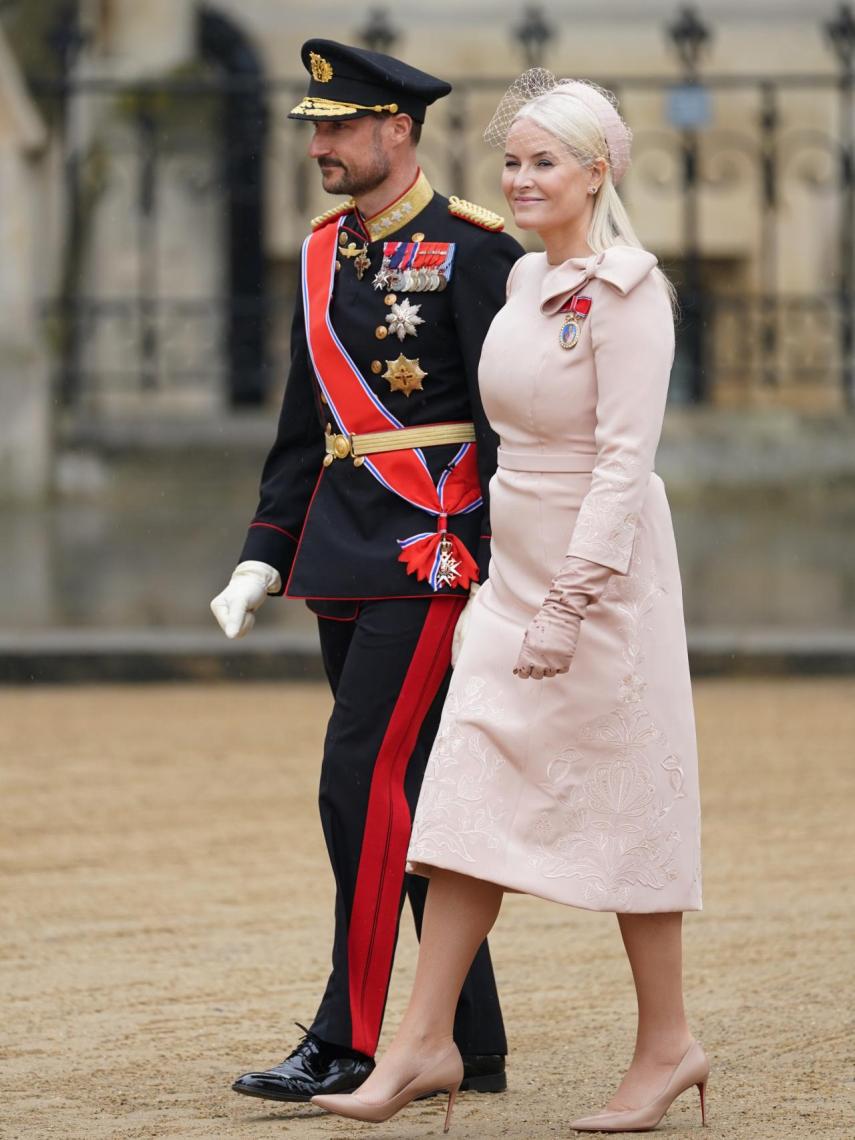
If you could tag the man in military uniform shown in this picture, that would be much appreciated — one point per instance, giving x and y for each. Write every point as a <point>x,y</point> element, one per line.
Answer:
<point>373,509</point>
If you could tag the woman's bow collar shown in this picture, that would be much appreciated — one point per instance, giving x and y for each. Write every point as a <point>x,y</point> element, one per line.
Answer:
<point>621,266</point>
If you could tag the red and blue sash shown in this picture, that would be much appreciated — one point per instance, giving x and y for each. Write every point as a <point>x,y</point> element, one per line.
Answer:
<point>357,409</point>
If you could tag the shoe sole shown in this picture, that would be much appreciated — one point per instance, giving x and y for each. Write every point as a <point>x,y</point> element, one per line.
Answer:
<point>292,1098</point>
<point>486,1083</point>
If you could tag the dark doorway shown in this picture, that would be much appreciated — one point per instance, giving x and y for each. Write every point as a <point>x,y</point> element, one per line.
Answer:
<point>244,143</point>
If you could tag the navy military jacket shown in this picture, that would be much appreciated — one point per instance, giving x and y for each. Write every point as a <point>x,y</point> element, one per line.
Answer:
<point>332,531</point>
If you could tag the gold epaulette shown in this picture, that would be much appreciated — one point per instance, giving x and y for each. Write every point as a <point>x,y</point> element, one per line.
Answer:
<point>477,215</point>
<point>333,213</point>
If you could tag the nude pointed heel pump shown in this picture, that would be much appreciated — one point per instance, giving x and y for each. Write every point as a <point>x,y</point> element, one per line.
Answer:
<point>702,1090</point>
<point>693,1069</point>
<point>446,1073</point>
<point>452,1097</point>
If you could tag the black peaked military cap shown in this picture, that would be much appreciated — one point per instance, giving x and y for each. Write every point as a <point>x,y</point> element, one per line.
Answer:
<point>348,82</point>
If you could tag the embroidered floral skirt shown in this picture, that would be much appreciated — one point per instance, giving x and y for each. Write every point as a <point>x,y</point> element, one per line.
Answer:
<point>582,788</point>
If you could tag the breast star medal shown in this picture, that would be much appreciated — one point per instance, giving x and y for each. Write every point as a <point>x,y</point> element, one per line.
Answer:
<point>404,375</point>
<point>403,318</point>
<point>449,567</point>
<point>574,312</point>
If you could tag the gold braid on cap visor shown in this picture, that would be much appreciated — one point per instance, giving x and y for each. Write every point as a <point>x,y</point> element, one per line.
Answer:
<point>314,105</point>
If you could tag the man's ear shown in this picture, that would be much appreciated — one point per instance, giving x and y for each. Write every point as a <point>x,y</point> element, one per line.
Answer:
<point>400,128</point>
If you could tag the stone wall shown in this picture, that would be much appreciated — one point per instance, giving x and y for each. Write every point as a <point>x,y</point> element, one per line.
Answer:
<point>25,405</point>
<point>134,39</point>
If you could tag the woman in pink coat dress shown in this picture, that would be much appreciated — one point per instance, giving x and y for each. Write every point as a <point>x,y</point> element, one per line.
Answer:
<point>565,764</point>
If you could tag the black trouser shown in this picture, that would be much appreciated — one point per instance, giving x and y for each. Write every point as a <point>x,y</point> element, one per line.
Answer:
<point>389,673</point>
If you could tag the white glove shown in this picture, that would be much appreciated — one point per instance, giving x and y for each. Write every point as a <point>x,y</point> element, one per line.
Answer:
<point>462,624</point>
<point>248,587</point>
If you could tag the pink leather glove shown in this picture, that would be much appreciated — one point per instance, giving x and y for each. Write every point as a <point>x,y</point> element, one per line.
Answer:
<point>550,640</point>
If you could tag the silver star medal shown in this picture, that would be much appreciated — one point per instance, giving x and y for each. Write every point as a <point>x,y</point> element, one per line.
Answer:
<point>383,276</point>
<point>449,568</point>
<point>403,319</point>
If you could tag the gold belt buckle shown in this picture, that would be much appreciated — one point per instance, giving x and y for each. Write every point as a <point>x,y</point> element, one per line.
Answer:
<point>338,446</point>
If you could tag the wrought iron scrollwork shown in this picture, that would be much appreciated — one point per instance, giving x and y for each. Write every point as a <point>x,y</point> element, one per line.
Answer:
<point>155,154</point>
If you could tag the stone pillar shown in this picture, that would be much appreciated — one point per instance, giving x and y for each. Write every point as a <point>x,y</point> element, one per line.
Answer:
<point>25,405</point>
<point>142,39</point>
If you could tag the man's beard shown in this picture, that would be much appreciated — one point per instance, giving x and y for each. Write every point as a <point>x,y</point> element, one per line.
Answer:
<point>362,181</point>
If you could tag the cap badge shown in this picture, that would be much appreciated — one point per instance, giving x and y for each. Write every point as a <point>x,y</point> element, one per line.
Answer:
<point>321,68</point>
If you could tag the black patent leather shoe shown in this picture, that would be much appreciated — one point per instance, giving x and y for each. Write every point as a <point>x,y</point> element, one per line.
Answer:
<point>315,1067</point>
<point>484,1072</point>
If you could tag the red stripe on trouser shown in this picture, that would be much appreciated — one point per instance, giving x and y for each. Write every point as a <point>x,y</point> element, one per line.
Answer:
<point>374,915</point>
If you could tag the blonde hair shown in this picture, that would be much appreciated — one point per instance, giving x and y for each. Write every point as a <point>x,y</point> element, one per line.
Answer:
<point>578,127</point>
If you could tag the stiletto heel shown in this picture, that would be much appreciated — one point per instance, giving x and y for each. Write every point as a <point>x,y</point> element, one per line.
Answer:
<point>444,1073</point>
<point>452,1097</point>
<point>693,1069</point>
<point>702,1089</point>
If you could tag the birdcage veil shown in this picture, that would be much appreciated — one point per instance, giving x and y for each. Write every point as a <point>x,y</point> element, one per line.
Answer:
<point>538,81</point>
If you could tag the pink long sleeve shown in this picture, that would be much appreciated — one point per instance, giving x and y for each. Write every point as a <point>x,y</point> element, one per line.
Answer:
<point>633,344</point>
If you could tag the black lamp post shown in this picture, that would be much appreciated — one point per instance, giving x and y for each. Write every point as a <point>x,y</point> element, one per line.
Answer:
<point>689,36</point>
<point>841,35</point>
<point>67,39</point>
<point>533,34</point>
<point>378,33</point>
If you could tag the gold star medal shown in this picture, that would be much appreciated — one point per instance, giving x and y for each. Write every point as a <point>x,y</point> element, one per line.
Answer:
<point>404,375</point>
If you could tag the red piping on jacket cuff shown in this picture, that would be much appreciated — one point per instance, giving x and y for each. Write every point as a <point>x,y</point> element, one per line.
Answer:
<point>270,526</point>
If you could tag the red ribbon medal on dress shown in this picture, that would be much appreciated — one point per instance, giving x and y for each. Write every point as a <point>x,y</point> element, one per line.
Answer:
<point>574,312</point>
<point>436,556</point>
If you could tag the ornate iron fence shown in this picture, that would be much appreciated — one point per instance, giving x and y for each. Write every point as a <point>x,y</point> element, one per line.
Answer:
<point>186,200</point>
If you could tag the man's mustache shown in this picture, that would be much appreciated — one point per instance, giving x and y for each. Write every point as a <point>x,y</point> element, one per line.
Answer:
<point>330,164</point>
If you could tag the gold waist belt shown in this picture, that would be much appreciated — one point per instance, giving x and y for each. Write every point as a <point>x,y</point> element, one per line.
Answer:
<point>340,446</point>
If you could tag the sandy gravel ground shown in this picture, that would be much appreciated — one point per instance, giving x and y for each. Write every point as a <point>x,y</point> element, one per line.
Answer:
<point>166,917</point>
